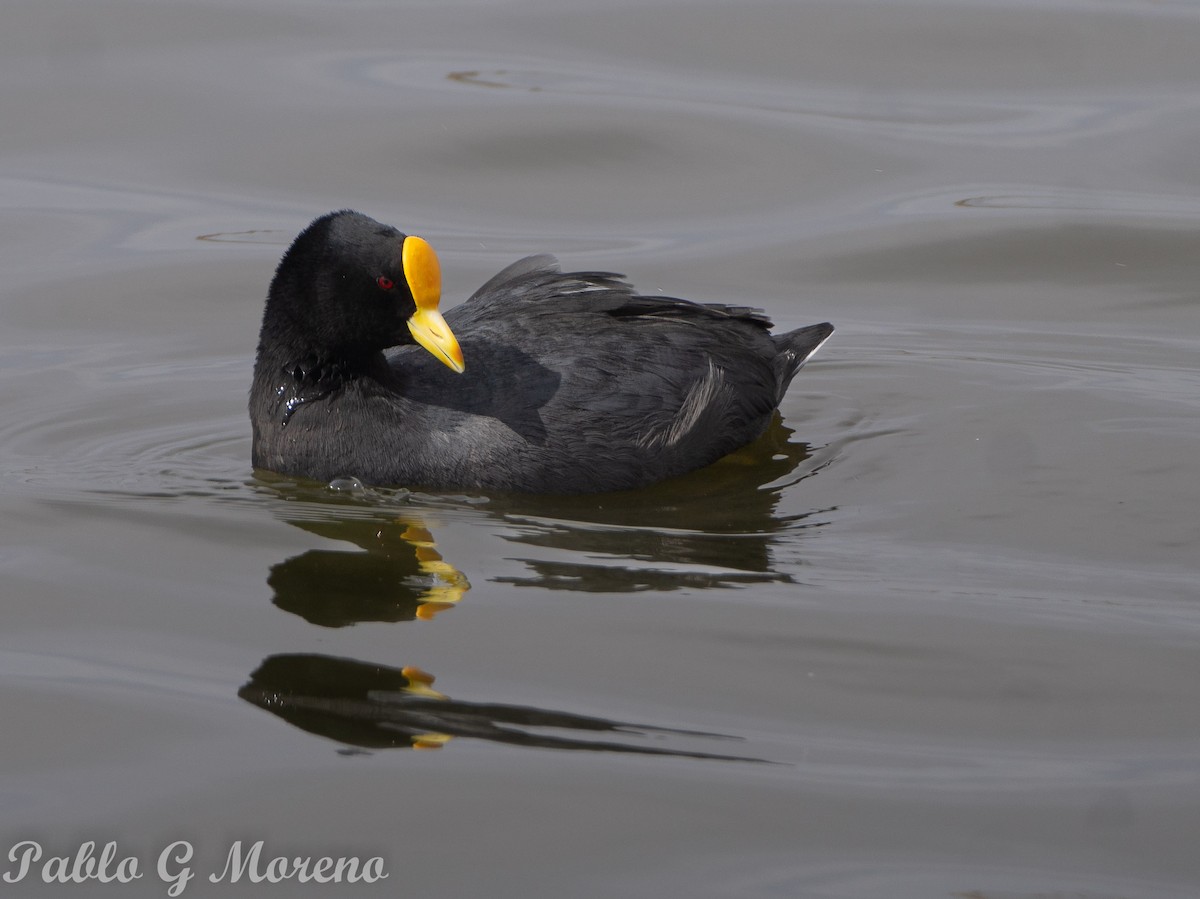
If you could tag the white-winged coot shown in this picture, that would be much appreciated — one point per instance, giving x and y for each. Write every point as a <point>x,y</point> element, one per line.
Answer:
<point>543,381</point>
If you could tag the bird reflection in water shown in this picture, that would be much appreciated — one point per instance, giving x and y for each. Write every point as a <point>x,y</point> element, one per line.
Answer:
<point>400,577</point>
<point>379,707</point>
<point>713,528</point>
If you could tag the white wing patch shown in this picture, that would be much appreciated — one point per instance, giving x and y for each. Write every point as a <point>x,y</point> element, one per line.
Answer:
<point>699,398</point>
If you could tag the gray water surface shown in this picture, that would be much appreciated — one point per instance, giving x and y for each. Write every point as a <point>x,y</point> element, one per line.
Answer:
<point>935,637</point>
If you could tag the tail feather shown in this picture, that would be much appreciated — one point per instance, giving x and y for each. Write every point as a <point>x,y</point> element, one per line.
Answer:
<point>796,348</point>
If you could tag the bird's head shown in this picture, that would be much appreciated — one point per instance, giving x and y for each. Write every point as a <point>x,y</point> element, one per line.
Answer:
<point>350,286</point>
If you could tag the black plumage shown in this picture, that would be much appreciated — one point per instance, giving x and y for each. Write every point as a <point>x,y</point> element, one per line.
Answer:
<point>573,383</point>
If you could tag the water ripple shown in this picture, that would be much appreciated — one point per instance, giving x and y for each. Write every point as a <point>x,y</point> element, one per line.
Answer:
<point>943,117</point>
<point>137,429</point>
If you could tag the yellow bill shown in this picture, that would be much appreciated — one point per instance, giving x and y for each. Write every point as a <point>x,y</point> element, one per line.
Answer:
<point>429,329</point>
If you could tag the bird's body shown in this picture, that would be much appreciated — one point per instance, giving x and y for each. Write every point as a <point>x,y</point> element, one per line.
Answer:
<point>573,383</point>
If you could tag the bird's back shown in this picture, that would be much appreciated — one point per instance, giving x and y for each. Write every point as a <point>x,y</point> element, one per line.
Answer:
<point>574,382</point>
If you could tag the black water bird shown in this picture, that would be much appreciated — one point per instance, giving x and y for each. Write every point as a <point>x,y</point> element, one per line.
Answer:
<point>543,381</point>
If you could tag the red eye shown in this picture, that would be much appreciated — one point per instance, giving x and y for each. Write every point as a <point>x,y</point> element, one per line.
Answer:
<point>385,282</point>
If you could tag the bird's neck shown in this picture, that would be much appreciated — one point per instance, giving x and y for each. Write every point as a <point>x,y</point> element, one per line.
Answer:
<point>296,375</point>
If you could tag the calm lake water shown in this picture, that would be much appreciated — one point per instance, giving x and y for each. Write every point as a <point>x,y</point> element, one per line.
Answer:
<point>935,637</point>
